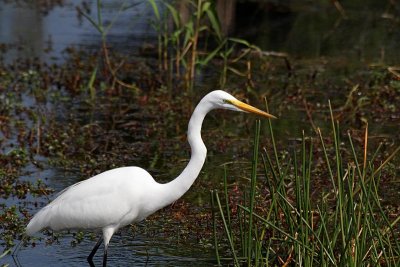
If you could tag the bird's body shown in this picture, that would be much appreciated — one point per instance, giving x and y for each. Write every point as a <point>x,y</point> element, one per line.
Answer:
<point>121,196</point>
<point>83,205</point>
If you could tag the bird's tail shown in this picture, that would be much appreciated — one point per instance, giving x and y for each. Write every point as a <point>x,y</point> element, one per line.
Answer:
<point>38,222</point>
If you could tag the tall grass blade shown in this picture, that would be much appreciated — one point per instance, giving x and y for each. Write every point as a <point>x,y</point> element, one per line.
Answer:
<point>253,188</point>
<point>214,22</point>
<point>278,229</point>
<point>92,79</point>
<point>387,160</point>
<point>347,227</point>
<point>174,13</point>
<point>227,231</point>
<point>228,210</point>
<point>215,228</point>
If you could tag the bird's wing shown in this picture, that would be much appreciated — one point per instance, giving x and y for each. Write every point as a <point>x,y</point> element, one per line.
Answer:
<point>103,200</point>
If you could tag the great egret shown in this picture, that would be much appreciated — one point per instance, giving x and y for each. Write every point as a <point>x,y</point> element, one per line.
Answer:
<point>121,196</point>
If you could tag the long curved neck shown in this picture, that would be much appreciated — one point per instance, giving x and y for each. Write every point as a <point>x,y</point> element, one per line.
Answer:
<point>181,184</point>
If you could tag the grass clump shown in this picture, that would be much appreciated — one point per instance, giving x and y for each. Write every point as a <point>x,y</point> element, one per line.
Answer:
<point>190,37</point>
<point>341,223</point>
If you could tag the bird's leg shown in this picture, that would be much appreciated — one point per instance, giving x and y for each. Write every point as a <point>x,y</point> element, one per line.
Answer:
<point>96,247</point>
<point>105,257</point>
<point>107,234</point>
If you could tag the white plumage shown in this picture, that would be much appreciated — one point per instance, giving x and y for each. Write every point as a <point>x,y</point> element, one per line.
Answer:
<point>118,197</point>
<point>82,205</point>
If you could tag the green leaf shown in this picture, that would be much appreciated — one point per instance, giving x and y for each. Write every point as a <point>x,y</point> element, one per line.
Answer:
<point>174,13</point>
<point>91,84</point>
<point>155,9</point>
<point>212,54</point>
<point>214,23</point>
<point>240,41</point>
<point>205,7</point>
<point>189,32</point>
<point>5,253</point>
<point>98,27</point>
<point>202,28</point>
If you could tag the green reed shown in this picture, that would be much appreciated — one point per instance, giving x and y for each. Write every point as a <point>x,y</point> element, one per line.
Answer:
<point>343,224</point>
<point>189,37</point>
<point>103,29</point>
<point>179,51</point>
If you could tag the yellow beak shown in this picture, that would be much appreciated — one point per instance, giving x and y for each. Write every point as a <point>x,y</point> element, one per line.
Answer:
<point>247,108</point>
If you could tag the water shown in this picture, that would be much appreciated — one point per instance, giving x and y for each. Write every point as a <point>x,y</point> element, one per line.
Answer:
<point>366,31</point>
<point>124,250</point>
<point>46,35</point>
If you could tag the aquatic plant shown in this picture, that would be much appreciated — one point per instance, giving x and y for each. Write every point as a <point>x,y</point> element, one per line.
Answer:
<point>179,44</point>
<point>195,39</point>
<point>103,29</point>
<point>342,224</point>
<point>5,253</point>
<point>189,36</point>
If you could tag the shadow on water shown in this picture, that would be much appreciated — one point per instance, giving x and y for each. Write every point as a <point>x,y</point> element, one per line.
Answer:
<point>304,31</point>
<point>354,30</point>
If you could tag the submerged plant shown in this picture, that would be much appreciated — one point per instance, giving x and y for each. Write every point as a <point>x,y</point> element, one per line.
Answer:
<point>345,226</point>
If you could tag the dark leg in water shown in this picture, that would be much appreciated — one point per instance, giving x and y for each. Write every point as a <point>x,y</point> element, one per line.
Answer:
<point>96,247</point>
<point>14,254</point>
<point>105,257</point>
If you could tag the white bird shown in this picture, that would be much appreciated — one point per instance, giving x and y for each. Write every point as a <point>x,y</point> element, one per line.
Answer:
<point>121,196</point>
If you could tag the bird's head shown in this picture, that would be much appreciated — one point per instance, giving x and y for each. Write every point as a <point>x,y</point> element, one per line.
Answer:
<point>223,100</point>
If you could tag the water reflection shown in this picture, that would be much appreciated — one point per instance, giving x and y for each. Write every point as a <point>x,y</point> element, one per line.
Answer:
<point>124,250</point>
<point>22,26</point>
<point>46,36</point>
<point>301,28</point>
